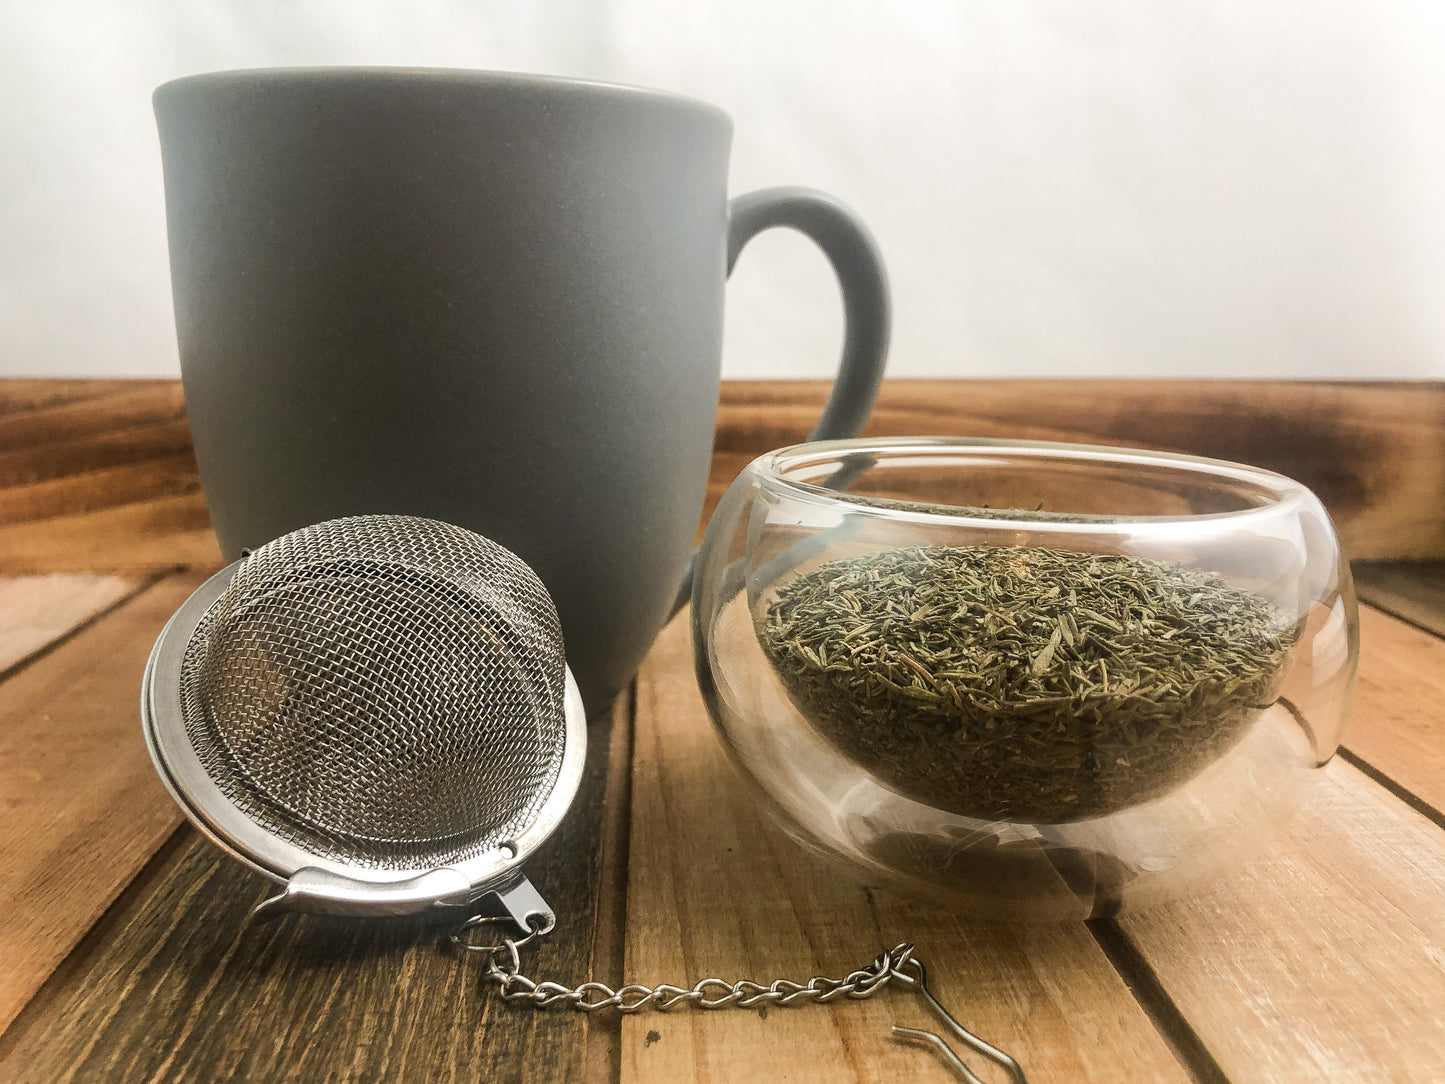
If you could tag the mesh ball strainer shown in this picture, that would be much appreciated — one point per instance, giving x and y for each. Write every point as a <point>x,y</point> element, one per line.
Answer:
<point>375,710</point>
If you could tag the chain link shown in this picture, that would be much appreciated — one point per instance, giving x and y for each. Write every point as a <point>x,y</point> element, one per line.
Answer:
<point>503,970</point>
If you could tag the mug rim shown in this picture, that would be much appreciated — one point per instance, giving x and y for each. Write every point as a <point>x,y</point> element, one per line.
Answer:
<point>406,73</point>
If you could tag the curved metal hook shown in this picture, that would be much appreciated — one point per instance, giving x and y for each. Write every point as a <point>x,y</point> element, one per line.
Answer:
<point>933,1039</point>
<point>919,982</point>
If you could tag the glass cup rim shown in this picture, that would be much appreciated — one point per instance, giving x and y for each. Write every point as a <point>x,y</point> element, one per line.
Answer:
<point>1281,494</point>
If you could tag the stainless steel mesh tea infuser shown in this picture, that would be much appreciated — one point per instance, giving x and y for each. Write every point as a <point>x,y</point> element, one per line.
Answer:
<point>377,712</point>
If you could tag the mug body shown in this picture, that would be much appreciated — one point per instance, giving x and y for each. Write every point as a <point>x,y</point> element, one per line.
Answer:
<point>490,299</point>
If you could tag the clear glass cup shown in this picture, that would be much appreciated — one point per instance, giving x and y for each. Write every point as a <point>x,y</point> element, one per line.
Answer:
<point>1082,801</point>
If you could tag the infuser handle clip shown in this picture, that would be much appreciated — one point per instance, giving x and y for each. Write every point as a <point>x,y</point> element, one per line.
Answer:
<point>912,973</point>
<point>321,892</point>
<point>525,907</point>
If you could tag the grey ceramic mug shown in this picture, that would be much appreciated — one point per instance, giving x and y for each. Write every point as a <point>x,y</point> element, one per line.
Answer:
<point>487,298</point>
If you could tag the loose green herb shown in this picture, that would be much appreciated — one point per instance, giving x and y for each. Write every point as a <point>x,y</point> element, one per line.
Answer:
<point>1035,685</point>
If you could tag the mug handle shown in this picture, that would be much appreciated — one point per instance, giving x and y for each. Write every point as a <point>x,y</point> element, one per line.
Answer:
<point>867,310</point>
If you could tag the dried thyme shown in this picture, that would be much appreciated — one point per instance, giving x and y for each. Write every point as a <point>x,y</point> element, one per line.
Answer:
<point>1036,685</point>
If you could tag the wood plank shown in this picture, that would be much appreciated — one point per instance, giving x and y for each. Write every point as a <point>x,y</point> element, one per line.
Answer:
<point>715,889</point>
<point>609,922</point>
<point>1375,453</point>
<point>1397,725</point>
<point>39,411</point>
<point>144,536</point>
<point>104,467</point>
<point>1324,957</point>
<point>1413,590</point>
<point>37,610</point>
<point>174,985</point>
<point>81,809</point>
<point>99,474</point>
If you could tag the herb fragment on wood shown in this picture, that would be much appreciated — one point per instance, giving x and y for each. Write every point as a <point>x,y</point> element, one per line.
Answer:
<point>1034,685</point>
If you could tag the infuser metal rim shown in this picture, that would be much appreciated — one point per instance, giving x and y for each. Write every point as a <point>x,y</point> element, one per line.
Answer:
<point>227,826</point>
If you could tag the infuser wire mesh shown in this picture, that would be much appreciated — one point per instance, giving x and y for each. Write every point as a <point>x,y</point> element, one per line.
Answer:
<point>385,691</point>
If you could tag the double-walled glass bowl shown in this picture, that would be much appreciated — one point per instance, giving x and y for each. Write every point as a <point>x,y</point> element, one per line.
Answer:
<point>1030,680</point>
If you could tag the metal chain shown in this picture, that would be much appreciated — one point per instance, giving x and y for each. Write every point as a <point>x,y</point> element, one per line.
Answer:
<point>503,970</point>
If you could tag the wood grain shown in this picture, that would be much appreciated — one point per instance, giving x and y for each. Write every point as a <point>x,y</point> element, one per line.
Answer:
<point>1397,726</point>
<point>174,985</point>
<point>1412,590</point>
<point>714,889</point>
<point>37,610</point>
<point>1374,453</point>
<point>1324,958</point>
<point>81,809</point>
<point>99,474</point>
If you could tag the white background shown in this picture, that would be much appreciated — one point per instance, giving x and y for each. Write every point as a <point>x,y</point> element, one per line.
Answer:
<point>1080,187</point>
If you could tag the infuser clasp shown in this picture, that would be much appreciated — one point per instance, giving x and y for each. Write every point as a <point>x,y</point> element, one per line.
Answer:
<point>322,892</point>
<point>916,977</point>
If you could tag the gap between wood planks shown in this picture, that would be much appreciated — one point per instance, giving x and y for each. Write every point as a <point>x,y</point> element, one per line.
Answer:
<point>40,1009</point>
<point>72,762</point>
<point>1397,730</point>
<point>609,940</point>
<point>93,602</point>
<point>1149,992</point>
<point>1414,801</point>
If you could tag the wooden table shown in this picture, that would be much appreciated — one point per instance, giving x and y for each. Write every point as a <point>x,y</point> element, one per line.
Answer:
<point>123,949</point>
